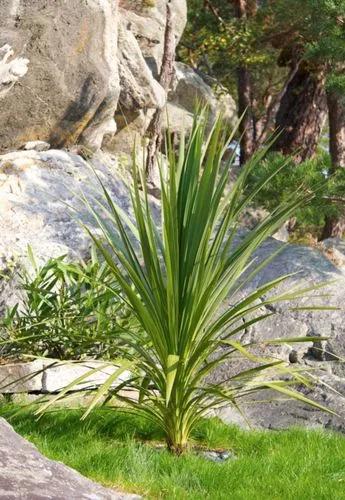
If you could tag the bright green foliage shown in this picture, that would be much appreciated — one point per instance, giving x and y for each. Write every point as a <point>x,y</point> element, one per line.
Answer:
<point>120,451</point>
<point>69,311</point>
<point>313,176</point>
<point>176,279</point>
<point>312,31</point>
<point>217,46</point>
<point>318,28</point>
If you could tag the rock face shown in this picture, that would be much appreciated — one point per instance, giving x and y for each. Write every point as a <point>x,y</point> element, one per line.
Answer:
<point>50,376</point>
<point>146,20</point>
<point>67,67</point>
<point>325,360</point>
<point>141,46</point>
<point>71,88</point>
<point>78,72</point>
<point>25,473</point>
<point>189,90</point>
<point>36,189</point>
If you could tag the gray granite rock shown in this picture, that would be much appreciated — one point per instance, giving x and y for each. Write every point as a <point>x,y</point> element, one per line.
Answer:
<point>62,79</point>
<point>189,90</point>
<point>325,360</point>
<point>50,376</point>
<point>25,474</point>
<point>36,191</point>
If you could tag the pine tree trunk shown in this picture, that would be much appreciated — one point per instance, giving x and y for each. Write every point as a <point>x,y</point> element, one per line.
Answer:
<point>335,226</point>
<point>336,113</point>
<point>243,10</point>
<point>302,114</point>
<point>244,110</point>
<point>154,130</point>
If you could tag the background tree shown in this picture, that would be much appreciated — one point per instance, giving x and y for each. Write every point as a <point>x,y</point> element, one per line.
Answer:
<point>285,61</point>
<point>280,54</point>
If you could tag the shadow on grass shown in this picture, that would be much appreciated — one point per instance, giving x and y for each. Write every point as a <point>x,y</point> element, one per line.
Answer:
<point>64,424</point>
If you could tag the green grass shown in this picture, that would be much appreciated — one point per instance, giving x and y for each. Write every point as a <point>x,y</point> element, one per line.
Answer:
<point>118,450</point>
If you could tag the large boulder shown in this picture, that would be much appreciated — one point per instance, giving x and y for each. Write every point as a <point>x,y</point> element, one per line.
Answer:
<point>36,189</point>
<point>25,474</point>
<point>76,72</point>
<point>140,51</point>
<point>146,19</point>
<point>191,90</point>
<point>63,83</point>
<point>39,192</point>
<point>325,360</point>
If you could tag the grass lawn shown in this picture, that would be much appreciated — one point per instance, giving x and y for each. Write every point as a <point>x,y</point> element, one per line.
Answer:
<point>117,450</point>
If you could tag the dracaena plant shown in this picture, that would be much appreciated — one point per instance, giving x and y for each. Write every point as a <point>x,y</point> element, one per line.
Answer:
<point>175,274</point>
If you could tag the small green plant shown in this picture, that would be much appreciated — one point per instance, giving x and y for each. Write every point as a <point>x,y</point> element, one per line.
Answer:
<point>69,311</point>
<point>175,280</point>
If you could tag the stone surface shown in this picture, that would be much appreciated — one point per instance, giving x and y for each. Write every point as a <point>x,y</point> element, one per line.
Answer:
<point>21,377</point>
<point>26,474</point>
<point>325,360</point>
<point>147,20</point>
<point>268,410</point>
<point>77,72</point>
<point>190,89</point>
<point>141,45</point>
<point>58,377</point>
<point>65,58</point>
<point>11,69</point>
<point>36,189</point>
<point>217,456</point>
<point>49,376</point>
<point>37,146</point>
<point>62,73</point>
<point>334,249</point>
<point>139,89</point>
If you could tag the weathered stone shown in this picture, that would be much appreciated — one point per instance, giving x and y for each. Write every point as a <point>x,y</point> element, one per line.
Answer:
<point>49,376</point>
<point>141,46</point>
<point>334,249</point>
<point>26,474</point>
<point>68,68</point>
<point>37,146</point>
<point>60,376</point>
<point>21,377</point>
<point>139,89</point>
<point>190,90</point>
<point>147,22</point>
<point>36,189</point>
<point>325,361</point>
<point>269,410</point>
<point>69,90</point>
<point>11,69</point>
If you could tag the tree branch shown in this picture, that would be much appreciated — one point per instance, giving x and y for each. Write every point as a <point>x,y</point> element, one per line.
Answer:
<point>154,130</point>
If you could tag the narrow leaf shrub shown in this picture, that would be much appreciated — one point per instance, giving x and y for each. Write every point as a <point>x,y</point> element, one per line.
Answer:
<point>68,311</point>
<point>175,275</point>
